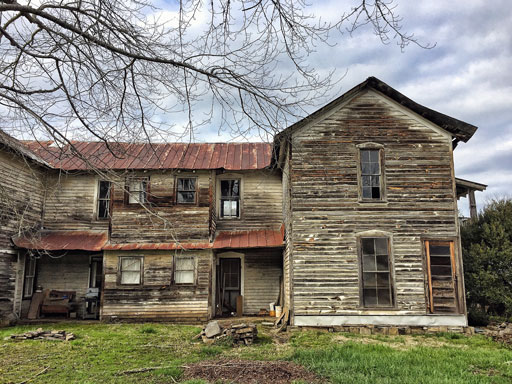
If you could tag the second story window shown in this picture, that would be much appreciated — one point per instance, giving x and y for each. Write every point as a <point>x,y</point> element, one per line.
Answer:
<point>103,199</point>
<point>371,174</point>
<point>186,190</point>
<point>230,198</point>
<point>137,190</point>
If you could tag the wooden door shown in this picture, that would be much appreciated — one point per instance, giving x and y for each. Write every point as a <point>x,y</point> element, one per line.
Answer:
<point>229,283</point>
<point>442,278</point>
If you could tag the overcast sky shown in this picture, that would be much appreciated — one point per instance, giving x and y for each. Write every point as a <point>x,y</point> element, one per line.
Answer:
<point>467,75</point>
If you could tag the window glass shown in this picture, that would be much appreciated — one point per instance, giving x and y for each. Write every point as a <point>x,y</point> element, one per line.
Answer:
<point>131,270</point>
<point>370,174</point>
<point>185,270</point>
<point>138,189</point>
<point>230,198</point>
<point>377,284</point>
<point>103,199</point>
<point>186,190</point>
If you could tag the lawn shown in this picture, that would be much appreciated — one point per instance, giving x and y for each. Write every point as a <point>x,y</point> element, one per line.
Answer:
<point>102,352</point>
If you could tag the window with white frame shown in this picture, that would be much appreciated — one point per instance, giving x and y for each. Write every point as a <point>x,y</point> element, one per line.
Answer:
<point>229,198</point>
<point>130,270</point>
<point>137,190</point>
<point>185,270</point>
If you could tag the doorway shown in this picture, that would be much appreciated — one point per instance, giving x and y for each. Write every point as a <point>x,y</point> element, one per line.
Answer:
<point>229,284</point>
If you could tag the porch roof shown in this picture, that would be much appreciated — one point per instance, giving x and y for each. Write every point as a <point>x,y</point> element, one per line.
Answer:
<point>62,240</point>
<point>155,246</point>
<point>249,239</point>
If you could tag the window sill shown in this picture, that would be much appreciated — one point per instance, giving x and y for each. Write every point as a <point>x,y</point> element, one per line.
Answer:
<point>371,201</point>
<point>387,309</point>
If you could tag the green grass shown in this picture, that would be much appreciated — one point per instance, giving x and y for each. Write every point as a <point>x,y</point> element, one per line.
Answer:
<point>102,351</point>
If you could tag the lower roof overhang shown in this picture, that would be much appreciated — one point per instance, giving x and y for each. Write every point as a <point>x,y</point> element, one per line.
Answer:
<point>46,240</point>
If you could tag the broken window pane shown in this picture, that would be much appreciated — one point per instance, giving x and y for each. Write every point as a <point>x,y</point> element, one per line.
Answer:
<point>103,199</point>
<point>230,198</point>
<point>370,174</point>
<point>186,191</point>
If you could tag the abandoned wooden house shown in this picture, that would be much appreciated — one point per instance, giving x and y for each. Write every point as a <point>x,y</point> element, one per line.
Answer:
<point>348,218</point>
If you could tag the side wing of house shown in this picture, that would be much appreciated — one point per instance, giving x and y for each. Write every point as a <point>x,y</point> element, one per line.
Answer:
<point>21,205</point>
<point>372,236</point>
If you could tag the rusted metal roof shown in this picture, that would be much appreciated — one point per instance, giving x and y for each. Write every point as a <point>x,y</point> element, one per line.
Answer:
<point>62,240</point>
<point>248,239</point>
<point>88,155</point>
<point>155,246</point>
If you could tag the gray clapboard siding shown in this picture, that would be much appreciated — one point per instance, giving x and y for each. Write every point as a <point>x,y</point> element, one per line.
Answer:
<point>157,297</point>
<point>326,214</point>
<point>261,201</point>
<point>21,202</point>
<point>263,269</point>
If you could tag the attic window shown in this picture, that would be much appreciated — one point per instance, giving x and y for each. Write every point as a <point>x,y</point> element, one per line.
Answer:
<point>186,190</point>
<point>371,175</point>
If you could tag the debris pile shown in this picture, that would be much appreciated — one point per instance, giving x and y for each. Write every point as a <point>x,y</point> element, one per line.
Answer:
<point>250,372</point>
<point>238,333</point>
<point>500,332</point>
<point>40,334</point>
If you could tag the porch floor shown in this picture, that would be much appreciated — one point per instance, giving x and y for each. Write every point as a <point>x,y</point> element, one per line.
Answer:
<point>226,321</point>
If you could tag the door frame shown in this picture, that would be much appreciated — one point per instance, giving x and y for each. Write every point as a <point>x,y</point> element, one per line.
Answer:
<point>216,264</point>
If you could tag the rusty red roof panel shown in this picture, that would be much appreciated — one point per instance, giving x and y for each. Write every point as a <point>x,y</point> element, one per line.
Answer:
<point>87,155</point>
<point>62,240</point>
<point>155,246</point>
<point>248,239</point>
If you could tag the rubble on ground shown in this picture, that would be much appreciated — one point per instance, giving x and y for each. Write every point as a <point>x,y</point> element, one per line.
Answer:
<point>40,334</point>
<point>501,332</point>
<point>238,334</point>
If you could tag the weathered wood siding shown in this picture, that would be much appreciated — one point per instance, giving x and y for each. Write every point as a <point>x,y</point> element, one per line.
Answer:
<point>261,201</point>
<point>287,214</point>
<point>263,269</point>
<point>157,298</point>
<point>71,202</point>
<point>327,214</point>
<point>21,201</point>
<point>132,223</point>
<point>69,272</point>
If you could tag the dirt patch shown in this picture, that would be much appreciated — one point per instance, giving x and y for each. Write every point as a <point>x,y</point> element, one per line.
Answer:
<point>248,371</point>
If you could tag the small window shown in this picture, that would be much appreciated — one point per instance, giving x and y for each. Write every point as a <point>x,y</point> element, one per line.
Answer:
<point>185,270</point>
<point>376,276</point>
<point>137,190</point>
<point>30,274</point>
<point>103,199</point>
<point>230,198</point>
<point>130,270</point>
<point>186,191</point>
<point>371,175</point>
